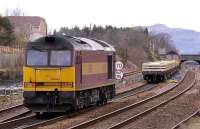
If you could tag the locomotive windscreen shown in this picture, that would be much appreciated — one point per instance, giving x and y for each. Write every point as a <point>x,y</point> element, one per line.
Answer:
<point>49,58</point>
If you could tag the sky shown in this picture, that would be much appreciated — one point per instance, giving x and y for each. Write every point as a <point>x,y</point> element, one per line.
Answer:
<point>125,13</point>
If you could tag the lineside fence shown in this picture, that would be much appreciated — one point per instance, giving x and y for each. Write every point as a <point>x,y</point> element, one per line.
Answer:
<point>11,62</point>
<point>129,79</point>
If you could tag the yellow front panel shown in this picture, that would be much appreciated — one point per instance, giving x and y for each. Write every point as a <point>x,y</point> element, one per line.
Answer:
<point>29,88</point>
<point>68,75</point>
<point>48,88</point>
<point>28,74</point>
<point>49,75</point>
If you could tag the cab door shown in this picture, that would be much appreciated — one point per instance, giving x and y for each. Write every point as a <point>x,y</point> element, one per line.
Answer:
<point>110,66</point>
<point>79,69</point>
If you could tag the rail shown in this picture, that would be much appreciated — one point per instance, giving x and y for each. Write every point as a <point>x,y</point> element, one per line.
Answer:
<point>42,123</point>
<point>127,121</point>
<point>131,73</point>
<point>95,120</point>
<point>186,119</point>
<point>18,110</point>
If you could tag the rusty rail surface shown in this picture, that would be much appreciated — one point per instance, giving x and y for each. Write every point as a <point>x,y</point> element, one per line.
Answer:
<point>186,119</point>
<point>129,120</point>
<point>111,114</point>
<point>5,122</point>
<point>11,110</point>
<point>50,121</point>
<point>131,73</point>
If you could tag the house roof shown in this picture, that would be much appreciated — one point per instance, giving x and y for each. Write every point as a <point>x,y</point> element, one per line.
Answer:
<point>22,20</point>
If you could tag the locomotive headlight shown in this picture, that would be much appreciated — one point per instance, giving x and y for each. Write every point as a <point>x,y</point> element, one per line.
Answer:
<point>29,84</point>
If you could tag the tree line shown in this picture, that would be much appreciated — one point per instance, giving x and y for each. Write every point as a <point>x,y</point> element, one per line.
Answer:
<point>132,43</point>
<point>6,31</point>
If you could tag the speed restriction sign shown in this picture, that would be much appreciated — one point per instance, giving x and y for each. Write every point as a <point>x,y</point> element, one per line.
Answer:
<point>118,75</point>
<point>119,65</point>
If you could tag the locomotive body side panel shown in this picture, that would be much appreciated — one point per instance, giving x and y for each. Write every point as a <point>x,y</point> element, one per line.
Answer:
<point>92,71</point>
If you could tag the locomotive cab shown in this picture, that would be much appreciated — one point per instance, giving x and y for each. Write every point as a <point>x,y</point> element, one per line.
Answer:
<point>48,75</point>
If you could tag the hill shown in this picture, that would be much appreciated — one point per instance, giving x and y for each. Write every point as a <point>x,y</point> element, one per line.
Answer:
<point>186,41</point>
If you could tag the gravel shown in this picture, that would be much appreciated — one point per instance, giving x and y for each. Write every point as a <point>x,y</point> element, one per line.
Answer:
<point>102,110</point>
<point>169,115</point>
<point>10,100</point>
<point>137,109</point>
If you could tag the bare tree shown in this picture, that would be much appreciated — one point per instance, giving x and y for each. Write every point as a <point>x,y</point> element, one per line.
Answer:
<point>7,12</point>
<point>132,43</point>
<point>15,12</point>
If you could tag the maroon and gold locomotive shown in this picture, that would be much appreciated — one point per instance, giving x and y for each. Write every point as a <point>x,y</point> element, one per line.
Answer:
<point>64,72</point>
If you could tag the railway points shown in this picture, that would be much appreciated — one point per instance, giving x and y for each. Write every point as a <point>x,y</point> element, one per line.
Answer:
<point>14,121</point>
<point>85,116</point>
<point>116,116</point>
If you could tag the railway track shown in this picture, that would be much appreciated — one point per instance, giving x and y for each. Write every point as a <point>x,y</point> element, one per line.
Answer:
<point>128,114</point>
<point>13,112</point>
<point>137,90</point>
<point>131,73</point>
<point>186,119</point>
<point>43,123</point>
<point>33,122</point>
<point>20,111</point>
<point>18,122</point>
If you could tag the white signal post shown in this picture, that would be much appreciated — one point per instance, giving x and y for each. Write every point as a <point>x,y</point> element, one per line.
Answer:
<point>119,65</point>
<point>118,73</point>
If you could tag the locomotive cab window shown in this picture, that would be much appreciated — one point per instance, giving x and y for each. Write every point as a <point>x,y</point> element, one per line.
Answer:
<point>37,58</point>
<point>60,58</point>
<point>49,58</point>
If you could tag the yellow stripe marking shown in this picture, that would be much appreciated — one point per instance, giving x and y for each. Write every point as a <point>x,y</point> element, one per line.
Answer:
<point>94,68</point>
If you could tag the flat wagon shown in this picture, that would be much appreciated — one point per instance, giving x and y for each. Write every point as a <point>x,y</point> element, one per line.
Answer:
<point>159,71</point>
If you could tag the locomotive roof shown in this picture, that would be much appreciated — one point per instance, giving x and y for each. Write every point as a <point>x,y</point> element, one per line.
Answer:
<point>77,43</point>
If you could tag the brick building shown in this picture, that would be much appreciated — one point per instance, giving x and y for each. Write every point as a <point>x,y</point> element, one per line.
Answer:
<point>29,26</point>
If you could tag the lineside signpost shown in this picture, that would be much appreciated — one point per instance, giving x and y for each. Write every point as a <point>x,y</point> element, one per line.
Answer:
<point>119,65</point>
<point>118,73</point>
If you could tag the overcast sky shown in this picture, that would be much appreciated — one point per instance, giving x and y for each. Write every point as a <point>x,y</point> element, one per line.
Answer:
<point>59,13</point>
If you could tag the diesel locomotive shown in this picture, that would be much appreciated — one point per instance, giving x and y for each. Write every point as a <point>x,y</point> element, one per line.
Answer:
<point>63,73</point>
